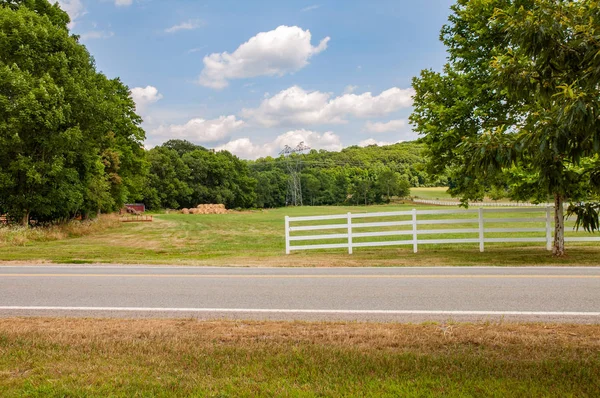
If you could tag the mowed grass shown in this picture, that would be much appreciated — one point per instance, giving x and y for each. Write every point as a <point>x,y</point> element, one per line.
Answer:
<point>256,238</point>
<point>84,357</point>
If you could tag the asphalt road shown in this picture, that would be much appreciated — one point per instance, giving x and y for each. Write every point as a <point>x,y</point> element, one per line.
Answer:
<point>541,294</point>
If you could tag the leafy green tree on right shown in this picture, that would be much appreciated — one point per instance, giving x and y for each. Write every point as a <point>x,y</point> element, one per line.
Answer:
<point>518,104</point>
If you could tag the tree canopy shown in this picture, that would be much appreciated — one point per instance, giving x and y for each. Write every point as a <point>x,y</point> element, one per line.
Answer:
<point>517,103</point>
<point>69,136</point>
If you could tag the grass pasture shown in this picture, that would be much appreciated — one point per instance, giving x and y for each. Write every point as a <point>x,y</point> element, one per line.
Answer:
<point>256,238</point>
<point>85,357</point>
<point>433,193</point>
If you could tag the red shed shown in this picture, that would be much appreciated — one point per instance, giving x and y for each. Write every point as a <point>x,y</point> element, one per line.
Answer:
<point>138,207</point>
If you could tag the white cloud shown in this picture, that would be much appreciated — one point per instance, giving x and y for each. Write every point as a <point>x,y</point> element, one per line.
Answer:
<point>275,53</point>
<point>314,140</point>
<point>199,130</point>
<point>144,96</point>
<point>96,34</point>
<point>295,105</point>
<point>244,148</point>
<point>74,8</point>
<point>372,141</point>
<point>392,125</point>
<point>188,25</point>
<point>310,8</point>
<point>120,3</point>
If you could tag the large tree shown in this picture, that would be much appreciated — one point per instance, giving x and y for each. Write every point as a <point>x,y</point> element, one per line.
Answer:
<point>69,137</point>
<point>517,103</point>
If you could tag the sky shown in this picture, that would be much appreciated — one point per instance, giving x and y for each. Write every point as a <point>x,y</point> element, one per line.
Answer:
<point>254,76</point>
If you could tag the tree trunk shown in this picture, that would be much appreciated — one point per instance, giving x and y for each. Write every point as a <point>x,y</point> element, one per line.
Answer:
<point>25,220</point>
<point>559,226</point>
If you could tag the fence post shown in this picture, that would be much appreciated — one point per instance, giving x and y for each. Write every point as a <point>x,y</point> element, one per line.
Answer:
<point>481,230</point>
<point>414,225</point>
<point>287,235</point>
<point>548,229</point>
<point>349,233</point>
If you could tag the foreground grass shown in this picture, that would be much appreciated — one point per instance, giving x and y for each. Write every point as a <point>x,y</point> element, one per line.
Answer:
<point>256,238</point>
<point>75,357</point>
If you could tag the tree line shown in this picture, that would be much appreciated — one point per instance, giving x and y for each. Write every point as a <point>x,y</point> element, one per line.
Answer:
<point>182,174</point>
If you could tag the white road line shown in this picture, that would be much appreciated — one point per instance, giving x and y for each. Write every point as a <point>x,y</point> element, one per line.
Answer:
<point>298,311</point>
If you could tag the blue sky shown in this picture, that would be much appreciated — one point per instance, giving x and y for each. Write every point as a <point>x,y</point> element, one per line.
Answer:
<point>253,76</point>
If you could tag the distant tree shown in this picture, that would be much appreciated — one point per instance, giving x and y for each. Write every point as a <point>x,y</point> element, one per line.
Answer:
<point>166,186</point>
<point>182,146</point>
<point>311,186</point>
<point>391,184</point>
<point>219,177</point>
<point>271,188</point>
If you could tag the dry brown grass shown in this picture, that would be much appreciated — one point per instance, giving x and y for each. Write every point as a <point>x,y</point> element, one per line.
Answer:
<point>95,357</point>
<point>504,340</point>
<point>13,235</point>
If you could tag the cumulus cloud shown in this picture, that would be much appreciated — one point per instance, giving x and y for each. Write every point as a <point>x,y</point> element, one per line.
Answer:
<point>275,53</point>
<point>199,130</point>
<point>392,125</point>
<point>296,105</point>
<point>244,147</point>
<point>144,96</point>
<point>327,140</point>
<point>372,141</point>
<point>188,25</point>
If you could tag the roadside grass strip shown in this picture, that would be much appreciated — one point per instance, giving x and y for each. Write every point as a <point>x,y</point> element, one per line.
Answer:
<point>85,357</point>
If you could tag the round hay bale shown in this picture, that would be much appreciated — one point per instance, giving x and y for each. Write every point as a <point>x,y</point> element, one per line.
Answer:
<point>185,211</point>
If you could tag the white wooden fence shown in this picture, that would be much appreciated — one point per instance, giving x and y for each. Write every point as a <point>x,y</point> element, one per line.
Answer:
<point>480,204</point>
<point>409,220</point>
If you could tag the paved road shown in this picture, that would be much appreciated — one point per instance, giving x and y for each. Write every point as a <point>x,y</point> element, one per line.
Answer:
<point>545,294</point>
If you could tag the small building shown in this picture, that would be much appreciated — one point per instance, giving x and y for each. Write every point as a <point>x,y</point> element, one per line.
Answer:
<point>136,207</point>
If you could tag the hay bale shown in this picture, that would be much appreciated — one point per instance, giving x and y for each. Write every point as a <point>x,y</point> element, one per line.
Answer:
<point>211,209</point>
<point>185,211</point>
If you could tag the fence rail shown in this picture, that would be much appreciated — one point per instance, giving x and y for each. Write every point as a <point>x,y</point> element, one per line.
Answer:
<point>136,218</point>
<point>479,204</point>
<point>353,227</point>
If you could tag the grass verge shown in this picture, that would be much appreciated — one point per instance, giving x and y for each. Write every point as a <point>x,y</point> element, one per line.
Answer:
<point>256,238</point>
<point>85,357</point>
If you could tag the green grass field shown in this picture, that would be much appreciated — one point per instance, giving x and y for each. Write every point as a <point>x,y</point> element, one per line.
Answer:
<point>256,238</point>
<point>124,358</point>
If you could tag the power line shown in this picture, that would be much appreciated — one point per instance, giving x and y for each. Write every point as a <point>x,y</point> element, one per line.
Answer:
<point>294,165</point>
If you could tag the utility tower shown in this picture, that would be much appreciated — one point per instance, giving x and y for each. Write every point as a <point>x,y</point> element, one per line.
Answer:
<point>293,163</point>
